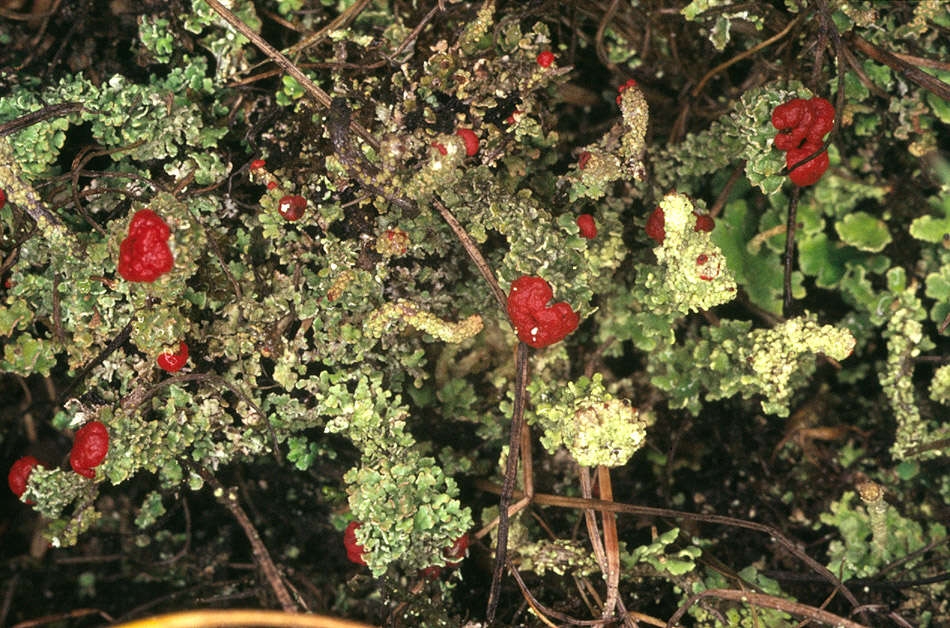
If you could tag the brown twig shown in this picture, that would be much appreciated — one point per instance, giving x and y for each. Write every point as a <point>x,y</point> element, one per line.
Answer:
<point>220,256</point>
<point>577,503</point>
<point>81,160</point>
<point>766,601</point>
<point>742,55</point>
<point>611,546</point>
<point>511,470</point>
<point>790,223</point>
<point>542,610</point>
<point>58,617</point>
<point>912,72</point>
<point>724,194</point>
<point>116,342</point>
<point>228,497</point>
<point>601,29</point>
<point>472,249</point>
<point>34,117</point>
<point>288,66</point>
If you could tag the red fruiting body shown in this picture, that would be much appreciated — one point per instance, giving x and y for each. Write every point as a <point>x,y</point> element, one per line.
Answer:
<point>583,159</point>
<point>144,254</point>
<point>292,207</point>
<point>704,222</point>
<point>629,83</point>
<point>20,473</point>
<point>453,555</point>
<point>802,125</point>
<point>810,172</point>
<point>537,324</point>
<point>89,448</point>
<point>354,551</point>
<point>271,185</point>
<point>511,119</point>
<point>545,59</point>
<point>258,163</point>
<point>457,551</point>
<point>588,227</point>
<point>701,259</point>
<point>3,199</point>
<point>440,148</point>
<point>172,362</point>
<point>471,141</point>
<point>655,226</point>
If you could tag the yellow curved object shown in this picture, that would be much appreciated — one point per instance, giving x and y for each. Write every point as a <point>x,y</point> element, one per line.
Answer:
<point>215,618</point>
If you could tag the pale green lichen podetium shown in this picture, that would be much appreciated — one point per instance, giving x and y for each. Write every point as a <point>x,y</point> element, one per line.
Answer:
<point>477,28</point>
<point>873,497</point>
<point>23,195</point>
<point>559,557</point>
<point>904,333</point>
<point>695,275</point>
<point>405,313</point>
<point>619,152</point>
<point>636,115</point>
<point>779,355</point>
<point>596,428</point>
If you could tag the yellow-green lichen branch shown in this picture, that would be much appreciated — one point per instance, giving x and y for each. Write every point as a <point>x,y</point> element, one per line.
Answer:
<point>403,313</point>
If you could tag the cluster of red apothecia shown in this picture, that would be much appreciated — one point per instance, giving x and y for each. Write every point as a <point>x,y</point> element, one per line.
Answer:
<point>90,446</point>
<point>144,256</point>
<point>536,323</point>
<point>802,126</point>
<point>453,554</point>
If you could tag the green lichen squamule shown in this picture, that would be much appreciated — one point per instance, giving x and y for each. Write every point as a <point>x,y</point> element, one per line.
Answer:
<point>940,385</point>
<point>404,313</point>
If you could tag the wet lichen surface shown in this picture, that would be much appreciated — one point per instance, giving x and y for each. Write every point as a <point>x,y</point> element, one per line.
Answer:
<point>250,300</point>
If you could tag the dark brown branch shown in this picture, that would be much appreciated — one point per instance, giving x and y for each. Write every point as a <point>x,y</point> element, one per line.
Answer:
<point>912,72</point>
<point>228,497</point>
<point>472,249</point>
<point>117,342</point>
<point>287,66</point>
<point>790,225</point>
<point>35,117</point>
<point>511,470</point>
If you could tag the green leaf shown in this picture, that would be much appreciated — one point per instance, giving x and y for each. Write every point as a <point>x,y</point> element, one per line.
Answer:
<point>760,274</point>
<point>17,316</point>
<point>826,261</point>
<point>864,232</point>
<point>932,228</point>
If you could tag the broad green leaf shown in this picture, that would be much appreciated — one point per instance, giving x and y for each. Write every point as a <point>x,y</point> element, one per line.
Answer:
<point>863,231</point>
